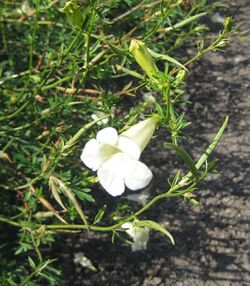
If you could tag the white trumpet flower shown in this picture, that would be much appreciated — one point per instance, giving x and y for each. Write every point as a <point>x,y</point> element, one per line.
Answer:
<point>140,235</point>
<point>116,157</point>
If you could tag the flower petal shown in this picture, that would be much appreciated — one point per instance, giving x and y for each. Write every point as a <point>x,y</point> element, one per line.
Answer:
<point>137,175</point>
<point>128,226</point>
<point>141,237</point>
<point>91,155</point>
<point>128,146</point>
<point>111,174</point>
<point>107,135</point>
<point>95,154</point>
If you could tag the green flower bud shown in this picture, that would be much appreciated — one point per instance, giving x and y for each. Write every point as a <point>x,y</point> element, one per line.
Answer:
<point>180,77</point>
<point>228,24</point>
<point>143,58</point>
<point>73,13</point>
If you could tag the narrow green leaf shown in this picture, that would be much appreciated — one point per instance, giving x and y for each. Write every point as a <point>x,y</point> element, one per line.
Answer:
<point>194,202</point>
<point>156,226</point>
<point>67,192</point>
<point>130,72</point>
<point>185,22</point>
<point>212,146</point>
<point>159,109</point>
<point>206,154</point>
<point>185,157</point>
<point>82,195</point>
<point>77,136</point>
<point>114,233</point>
<point>114,48</point>
<point>31,263</point>
<point>100,215</point>
<point>175,180</point>
<point>167,58</point>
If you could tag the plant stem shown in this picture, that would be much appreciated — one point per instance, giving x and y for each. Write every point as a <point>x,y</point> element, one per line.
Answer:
<point>63,56</point>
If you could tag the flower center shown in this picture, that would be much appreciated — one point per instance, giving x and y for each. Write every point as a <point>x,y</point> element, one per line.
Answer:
<point>107,151</point>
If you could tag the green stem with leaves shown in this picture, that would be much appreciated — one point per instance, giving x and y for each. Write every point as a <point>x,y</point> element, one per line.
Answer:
<point>175,190</point>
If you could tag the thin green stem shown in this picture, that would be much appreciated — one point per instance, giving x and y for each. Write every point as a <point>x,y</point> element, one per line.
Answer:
<point>87,48</point>
<point>44,80</point>
<point>200,54</point>
<point>33,37</point>
<point>14,113</point>
<point>38,252</point>
<point>63,56</point>
<point>38,270</point>
<point>55,84</point>
<point>2,219</point>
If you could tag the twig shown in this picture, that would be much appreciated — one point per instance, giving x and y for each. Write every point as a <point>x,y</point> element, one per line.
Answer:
<point>128,12</point>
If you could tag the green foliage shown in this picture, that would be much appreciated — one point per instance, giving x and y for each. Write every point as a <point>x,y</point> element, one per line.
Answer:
<point>55,75</point>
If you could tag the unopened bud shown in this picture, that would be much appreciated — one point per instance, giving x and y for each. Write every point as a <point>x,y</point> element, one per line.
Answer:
<point>228,24</point>
<point>143,58</point>
<point>180,77</point>
<point>73,13</point>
